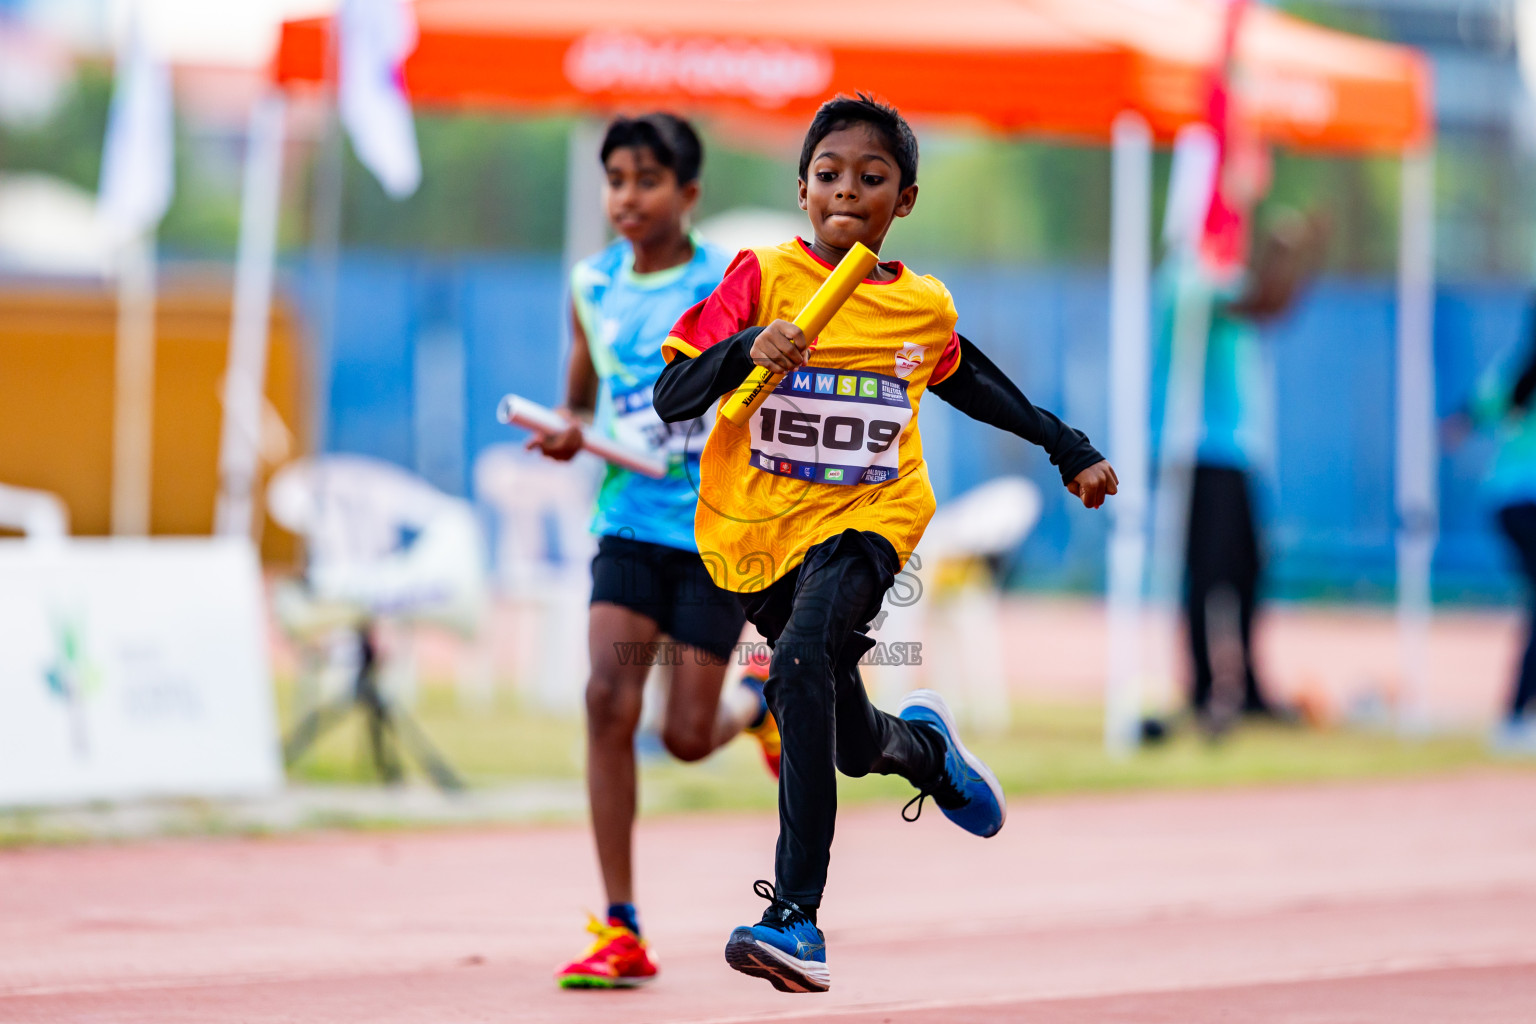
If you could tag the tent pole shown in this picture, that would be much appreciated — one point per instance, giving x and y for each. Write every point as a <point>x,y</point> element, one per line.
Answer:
<point>325,254</point>
<point>1129,388</point>
<point>586,229</point>
<point>1417,452</point>
<point>245,373</point>
<point>133,400</point>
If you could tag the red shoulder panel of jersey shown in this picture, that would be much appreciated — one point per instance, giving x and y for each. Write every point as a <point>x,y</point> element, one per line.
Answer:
<point>949,360</point>
<point>730,308</point>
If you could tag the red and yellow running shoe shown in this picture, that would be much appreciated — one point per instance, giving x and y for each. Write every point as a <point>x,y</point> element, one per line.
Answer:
<point>765,730</point>
<point>617,958</point>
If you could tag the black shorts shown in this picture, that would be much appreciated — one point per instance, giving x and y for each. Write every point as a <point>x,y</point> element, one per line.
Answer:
<point>670,587</point>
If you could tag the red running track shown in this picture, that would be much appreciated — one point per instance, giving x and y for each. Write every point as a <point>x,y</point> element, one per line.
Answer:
<point>1405,902</point>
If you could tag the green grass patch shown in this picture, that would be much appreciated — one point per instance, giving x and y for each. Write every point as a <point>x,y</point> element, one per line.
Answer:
<point>1048,749</point>
<point>501,743</point>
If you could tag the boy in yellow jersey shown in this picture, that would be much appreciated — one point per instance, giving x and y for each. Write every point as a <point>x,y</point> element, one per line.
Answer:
<point>809,511</point>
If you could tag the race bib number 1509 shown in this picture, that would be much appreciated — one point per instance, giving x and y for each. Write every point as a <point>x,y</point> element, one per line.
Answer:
<point>832,427</point>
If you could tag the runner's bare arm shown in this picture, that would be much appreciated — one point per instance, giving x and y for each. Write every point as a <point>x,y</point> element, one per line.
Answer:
<point>581,386</point>
<point>581,381</point>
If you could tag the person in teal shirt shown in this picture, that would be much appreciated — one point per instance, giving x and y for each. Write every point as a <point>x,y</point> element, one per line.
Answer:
<point>1223,551</point>
<point>1502,405</point>
<point>648,581</point>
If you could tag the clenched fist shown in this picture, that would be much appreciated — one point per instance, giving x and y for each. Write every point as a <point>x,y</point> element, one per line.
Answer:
<point>1095,483</point>
<point>780,347</point>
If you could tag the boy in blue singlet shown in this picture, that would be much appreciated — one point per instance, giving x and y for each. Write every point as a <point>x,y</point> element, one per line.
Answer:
<point>647,579</point>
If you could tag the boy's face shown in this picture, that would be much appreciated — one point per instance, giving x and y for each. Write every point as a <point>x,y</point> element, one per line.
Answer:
<point>642,198</point>
<point>854,191</point>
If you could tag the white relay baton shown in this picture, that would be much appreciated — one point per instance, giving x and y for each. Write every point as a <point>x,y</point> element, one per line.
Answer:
<point>520,412</point>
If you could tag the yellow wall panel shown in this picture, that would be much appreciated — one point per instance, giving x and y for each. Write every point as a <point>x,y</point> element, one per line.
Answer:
<point>56,367</point>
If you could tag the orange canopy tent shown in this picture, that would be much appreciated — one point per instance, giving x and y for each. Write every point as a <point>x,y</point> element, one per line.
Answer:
<point>1065,67</point>
<point>1304,86</point>
<point>1130,72</point>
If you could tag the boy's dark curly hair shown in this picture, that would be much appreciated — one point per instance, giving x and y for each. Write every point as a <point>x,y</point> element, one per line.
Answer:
<point>844,112</point>
<point>672,139</point>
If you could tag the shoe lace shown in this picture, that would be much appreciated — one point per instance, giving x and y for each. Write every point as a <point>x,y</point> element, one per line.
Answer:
<point>779,909</point>
<point>944,792</point>
<point>604,933</point>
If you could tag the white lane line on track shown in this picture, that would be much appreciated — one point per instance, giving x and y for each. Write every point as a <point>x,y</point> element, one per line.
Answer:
<point>1383,969</point>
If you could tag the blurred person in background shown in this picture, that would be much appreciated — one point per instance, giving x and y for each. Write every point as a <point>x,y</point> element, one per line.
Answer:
<point>648,581</point>
<point>1502,405</point>
<point>1223,551</point>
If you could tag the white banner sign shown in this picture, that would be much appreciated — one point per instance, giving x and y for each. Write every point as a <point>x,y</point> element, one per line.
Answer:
<point>770,74</point>
<point>133,668</point>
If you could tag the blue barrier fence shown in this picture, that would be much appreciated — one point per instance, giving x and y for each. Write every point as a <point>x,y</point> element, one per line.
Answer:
<point>414,336</point>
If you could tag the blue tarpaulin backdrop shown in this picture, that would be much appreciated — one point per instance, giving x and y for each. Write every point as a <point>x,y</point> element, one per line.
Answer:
<point>416,336</point>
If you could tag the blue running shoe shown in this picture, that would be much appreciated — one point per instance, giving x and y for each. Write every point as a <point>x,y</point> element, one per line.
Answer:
<point>966,790</point>
<point>785,947</point>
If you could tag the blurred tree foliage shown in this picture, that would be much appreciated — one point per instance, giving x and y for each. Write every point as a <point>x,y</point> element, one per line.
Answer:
<point>204,215</point>
<point>486,183</point>
<point>1359,195</point>
<point>1359,20</point>
<point>734,177</point>
<point>492,183</point>
<point>68,144</point>
<point>996,200</point>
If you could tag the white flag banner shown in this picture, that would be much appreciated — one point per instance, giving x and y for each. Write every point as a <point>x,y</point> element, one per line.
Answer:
<point>1191,183</point>
<point>137,159</point>
<point>1525,41</point>
<point>375,38</point>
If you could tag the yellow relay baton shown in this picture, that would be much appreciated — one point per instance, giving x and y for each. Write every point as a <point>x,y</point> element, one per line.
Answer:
<point>813,319</point>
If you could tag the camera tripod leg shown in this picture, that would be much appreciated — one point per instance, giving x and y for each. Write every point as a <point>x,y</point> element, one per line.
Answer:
<point>414,738</point>
<point>312,726</point>
<point>381,741</point>
<point>391,730</point>
<point>380,716</point>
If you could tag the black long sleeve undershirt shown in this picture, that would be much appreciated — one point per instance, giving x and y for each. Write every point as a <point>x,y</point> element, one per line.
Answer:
<point>688,387</point>
<point>983,392</point>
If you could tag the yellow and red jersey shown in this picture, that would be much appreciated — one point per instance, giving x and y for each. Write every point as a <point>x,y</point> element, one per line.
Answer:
<point>836,445</point>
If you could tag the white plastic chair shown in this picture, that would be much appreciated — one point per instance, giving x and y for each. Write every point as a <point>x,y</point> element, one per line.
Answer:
<point>957,615</point>
<point>544,549</point>
<point>39,515</point>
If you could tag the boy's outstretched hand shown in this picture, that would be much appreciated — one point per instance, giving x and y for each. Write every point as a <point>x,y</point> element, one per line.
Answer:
<point>780,347</point>
<point>1095,483</point>
<point>562,446</point>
